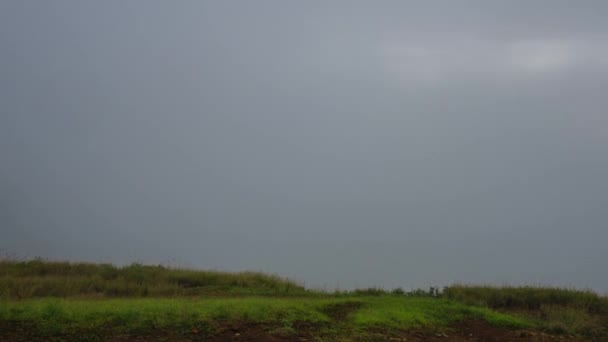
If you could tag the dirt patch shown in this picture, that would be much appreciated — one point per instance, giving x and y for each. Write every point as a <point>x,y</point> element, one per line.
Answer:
<point>469,330</point>
<point>481,331</point>
<point>15,331</point>
<point>248,332</point>
<point>265,332</point>
<point>339,312</point>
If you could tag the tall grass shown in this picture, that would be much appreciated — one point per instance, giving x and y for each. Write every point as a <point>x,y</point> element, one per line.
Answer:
<point>37,278</point>
<point>555,310</point>
<point>527,297</point>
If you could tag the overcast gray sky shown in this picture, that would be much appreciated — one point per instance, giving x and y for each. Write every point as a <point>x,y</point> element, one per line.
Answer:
<point>343,144</point>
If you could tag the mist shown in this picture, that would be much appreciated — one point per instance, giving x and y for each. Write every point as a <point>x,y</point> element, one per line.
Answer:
<point>344,144</point>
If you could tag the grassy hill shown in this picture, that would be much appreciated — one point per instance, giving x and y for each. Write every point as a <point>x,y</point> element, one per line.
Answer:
<point>42,300</point>
<point>39,278</point>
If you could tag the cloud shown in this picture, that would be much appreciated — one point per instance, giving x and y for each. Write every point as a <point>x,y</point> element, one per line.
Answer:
<point>419,62</point>
<point>471,59</point>
<point>541,55</point>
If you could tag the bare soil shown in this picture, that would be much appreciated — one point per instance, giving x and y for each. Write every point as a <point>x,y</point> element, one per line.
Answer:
<point>470,330</point>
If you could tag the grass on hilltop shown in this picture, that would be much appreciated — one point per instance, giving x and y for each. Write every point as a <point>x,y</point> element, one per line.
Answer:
<point>556,310</point>
<point>527,297</point>
<point>37,278</point>
<point>70,299</point>
<point>65,316</point>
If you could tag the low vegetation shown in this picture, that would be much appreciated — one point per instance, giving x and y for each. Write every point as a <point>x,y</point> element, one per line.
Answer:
<point>527,297</point>
<point>37,278</point>
<point>65,316</point>
<point>39,299</point>
<point>556,310</point>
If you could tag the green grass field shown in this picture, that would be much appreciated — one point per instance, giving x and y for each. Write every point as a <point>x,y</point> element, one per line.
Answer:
<point>136,315</point>
<point>62,300</point>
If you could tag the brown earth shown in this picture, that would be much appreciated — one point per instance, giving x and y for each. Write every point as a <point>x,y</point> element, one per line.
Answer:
<point>470,330</point>
<point>336,330</point>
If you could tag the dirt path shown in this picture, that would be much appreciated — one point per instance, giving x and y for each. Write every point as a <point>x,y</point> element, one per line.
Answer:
<point>481,331</point>
<point>339,312</point>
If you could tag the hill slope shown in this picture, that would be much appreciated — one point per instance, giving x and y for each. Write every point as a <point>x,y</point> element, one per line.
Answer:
<point>58,300</point>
